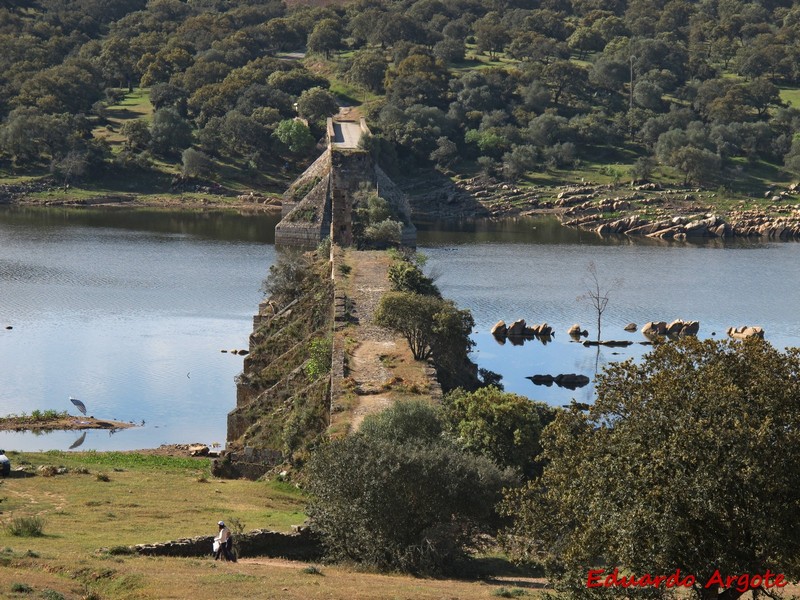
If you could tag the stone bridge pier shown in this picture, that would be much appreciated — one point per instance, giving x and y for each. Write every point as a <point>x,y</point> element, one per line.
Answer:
<point>320,202</point>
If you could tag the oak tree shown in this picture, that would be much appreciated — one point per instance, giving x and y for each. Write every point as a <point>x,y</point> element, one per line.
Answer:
<point>688,460</point>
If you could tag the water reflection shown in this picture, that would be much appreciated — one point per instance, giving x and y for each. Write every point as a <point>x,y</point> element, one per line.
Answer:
<point>221,225</point>
<point>78,442</point>
<point>116,307</point>
<point>548,230</point>
<point>534,269</point>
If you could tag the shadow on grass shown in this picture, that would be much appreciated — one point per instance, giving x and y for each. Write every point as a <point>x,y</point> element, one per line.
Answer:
<point>499,570</point>
<point>121,114</point>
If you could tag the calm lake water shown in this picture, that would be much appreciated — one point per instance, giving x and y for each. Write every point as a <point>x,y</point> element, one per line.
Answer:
<point>534,269</point>
<point>128,311</point>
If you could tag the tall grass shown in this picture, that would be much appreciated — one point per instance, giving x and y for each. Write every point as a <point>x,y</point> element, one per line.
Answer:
<point>26,526</point>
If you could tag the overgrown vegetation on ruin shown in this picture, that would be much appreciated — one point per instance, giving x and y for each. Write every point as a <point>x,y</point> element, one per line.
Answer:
<point>285,370</point>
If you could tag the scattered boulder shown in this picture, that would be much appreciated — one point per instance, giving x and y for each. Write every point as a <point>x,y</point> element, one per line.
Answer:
<point>653,328</point>
<point>517,328</point>
<point>676,328</point>
<point>576,331</point>
<point>631,327</point>
<point>539,330</point>
<point>744,332</point>
<point>500,328</point>
<point>244,352</point>
<point>617,343</point>
<point>542,379</point>
<point>50,470</point>
<point>690,328</point>
<point>571,380</point>
<point>566,380</point>
<point>679,327</point>
<point>198,450</point>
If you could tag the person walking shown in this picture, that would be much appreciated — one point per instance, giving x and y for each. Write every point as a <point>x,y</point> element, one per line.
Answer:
<point>5,464</point>
<point>223,543</point>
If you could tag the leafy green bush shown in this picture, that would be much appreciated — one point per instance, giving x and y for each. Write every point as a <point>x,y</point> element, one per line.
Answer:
<point>319,363</point>
<point>503,427</point>
<point>324,248</point>
<point>406,276</point>
<point>21,588</point>
<point>26,526</point>
<point>399,495</point>
<point>312,570</point>
<point>375,223</point>
<point>384,234</point>
<point>47,415</point>
<point>289,276</point>
<point>195,163</point>
<point>650,476</point>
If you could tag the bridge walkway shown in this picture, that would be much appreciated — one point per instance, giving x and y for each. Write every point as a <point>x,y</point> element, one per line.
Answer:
<point>346,134</point>
<point>379,367</point>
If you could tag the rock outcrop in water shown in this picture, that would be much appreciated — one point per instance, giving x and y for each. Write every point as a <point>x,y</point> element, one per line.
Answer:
<point>676,328</point>
<point>744,332</point>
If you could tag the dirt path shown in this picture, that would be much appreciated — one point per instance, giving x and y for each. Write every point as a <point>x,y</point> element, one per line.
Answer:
<point>366,367</point>
<point>380,363</point>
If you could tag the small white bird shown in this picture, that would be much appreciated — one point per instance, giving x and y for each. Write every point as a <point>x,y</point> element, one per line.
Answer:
<point>81,406</point>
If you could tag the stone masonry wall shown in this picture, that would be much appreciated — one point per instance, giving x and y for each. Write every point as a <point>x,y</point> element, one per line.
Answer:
<point>250,463</point>
<point>349,170</point>
<point>300,545</point>
<point>309,221</point>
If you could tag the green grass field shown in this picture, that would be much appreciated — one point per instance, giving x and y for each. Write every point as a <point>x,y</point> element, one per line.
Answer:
<point>135,105</point>
<point>119,499</point>
<point>791,96</point>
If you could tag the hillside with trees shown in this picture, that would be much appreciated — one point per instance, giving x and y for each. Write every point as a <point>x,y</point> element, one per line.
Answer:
<point>157,93</point>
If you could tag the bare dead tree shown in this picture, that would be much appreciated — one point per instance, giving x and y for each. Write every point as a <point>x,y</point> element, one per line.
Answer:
<point>598,294</point>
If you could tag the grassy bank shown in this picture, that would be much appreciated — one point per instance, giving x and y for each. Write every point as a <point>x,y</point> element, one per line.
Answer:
<point>109,500</point>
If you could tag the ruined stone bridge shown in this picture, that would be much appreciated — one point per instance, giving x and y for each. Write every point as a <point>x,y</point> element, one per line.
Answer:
<point>320,202</point>
<point>370,367</point>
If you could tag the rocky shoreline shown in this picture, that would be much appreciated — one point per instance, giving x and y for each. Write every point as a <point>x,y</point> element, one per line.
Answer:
<point>646,210</point>
<point>650,211</point>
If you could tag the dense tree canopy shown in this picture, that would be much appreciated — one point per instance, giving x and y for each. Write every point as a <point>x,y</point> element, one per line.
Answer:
<point>400,495</point>
<point>505,428</point>
<point>615,77</point>
<point>689,460</point>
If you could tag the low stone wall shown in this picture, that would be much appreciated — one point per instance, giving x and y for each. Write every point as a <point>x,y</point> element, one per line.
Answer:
<point>249,463</point>
<point>300,545</point>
